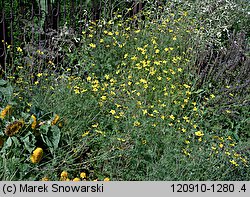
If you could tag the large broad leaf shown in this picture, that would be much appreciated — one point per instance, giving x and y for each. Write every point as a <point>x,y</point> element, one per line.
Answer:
<point>51,136</point>
<point>29,141</point>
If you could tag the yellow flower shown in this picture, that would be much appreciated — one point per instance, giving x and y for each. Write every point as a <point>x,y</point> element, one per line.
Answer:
<point>110,33</point>
<point>76,179</point>
<point>83,175</point>
<point>39,74</point>
<point>55,120</point>
<point>34,123</point>
<point>14,127</point>
<point>64,174</point>
<point>5,111</point>
<point>184,130</point>
<point>179,69</point>
<point>37,155</point>
<point>185,118</point>
<point>19,49</point>
<point>172,117</point>
<point>104,98</point>
<point>234,162</point>
<point>95,125</point>
<point>112,111</point>
<point>187,141</point>
<point>85,134</point>
<point>92,45</point>
<point>137,123</point>
<point>45,178</point>
<point>106,179</point>
<point>199,133</point>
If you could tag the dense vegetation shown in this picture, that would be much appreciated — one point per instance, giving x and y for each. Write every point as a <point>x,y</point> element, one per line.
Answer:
<point>162,95</point>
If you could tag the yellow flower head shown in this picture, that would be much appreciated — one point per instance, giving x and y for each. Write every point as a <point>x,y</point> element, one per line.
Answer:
<point>112,111</point>
<point>83,175</point>
<point>76,179</point>
<point>137,123</point>
<point>37,155</point>
<point>199,133</point>
<point>64,174</point>
<point>172,117</point>
<point>92,45</point>
<point>34,123</point>
<point>55,120</point>
<point>5,111</point>
<point>45,178</point>
<point>106,179</point>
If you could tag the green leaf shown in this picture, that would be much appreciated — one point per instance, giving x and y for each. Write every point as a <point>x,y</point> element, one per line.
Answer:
<point>51,137</point>
<point>199,91</point>
<point>7,92</point>
<point>25,115</point>
<point>9,142</point>
<point>43,7</point>
<point>29,141</point>
<point>56,135</point>
<point>16,141</point>
<point>2,82</point>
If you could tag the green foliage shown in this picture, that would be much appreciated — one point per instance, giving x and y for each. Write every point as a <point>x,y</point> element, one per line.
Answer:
<point>22,132</point>
<point>6,91</point>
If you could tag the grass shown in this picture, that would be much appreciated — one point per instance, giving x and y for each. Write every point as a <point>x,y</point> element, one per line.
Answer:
<point>133,104</point>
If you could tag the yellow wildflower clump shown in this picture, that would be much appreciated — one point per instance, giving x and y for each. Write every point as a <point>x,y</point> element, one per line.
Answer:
<point>37,155</point>
<point>5,111</point>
